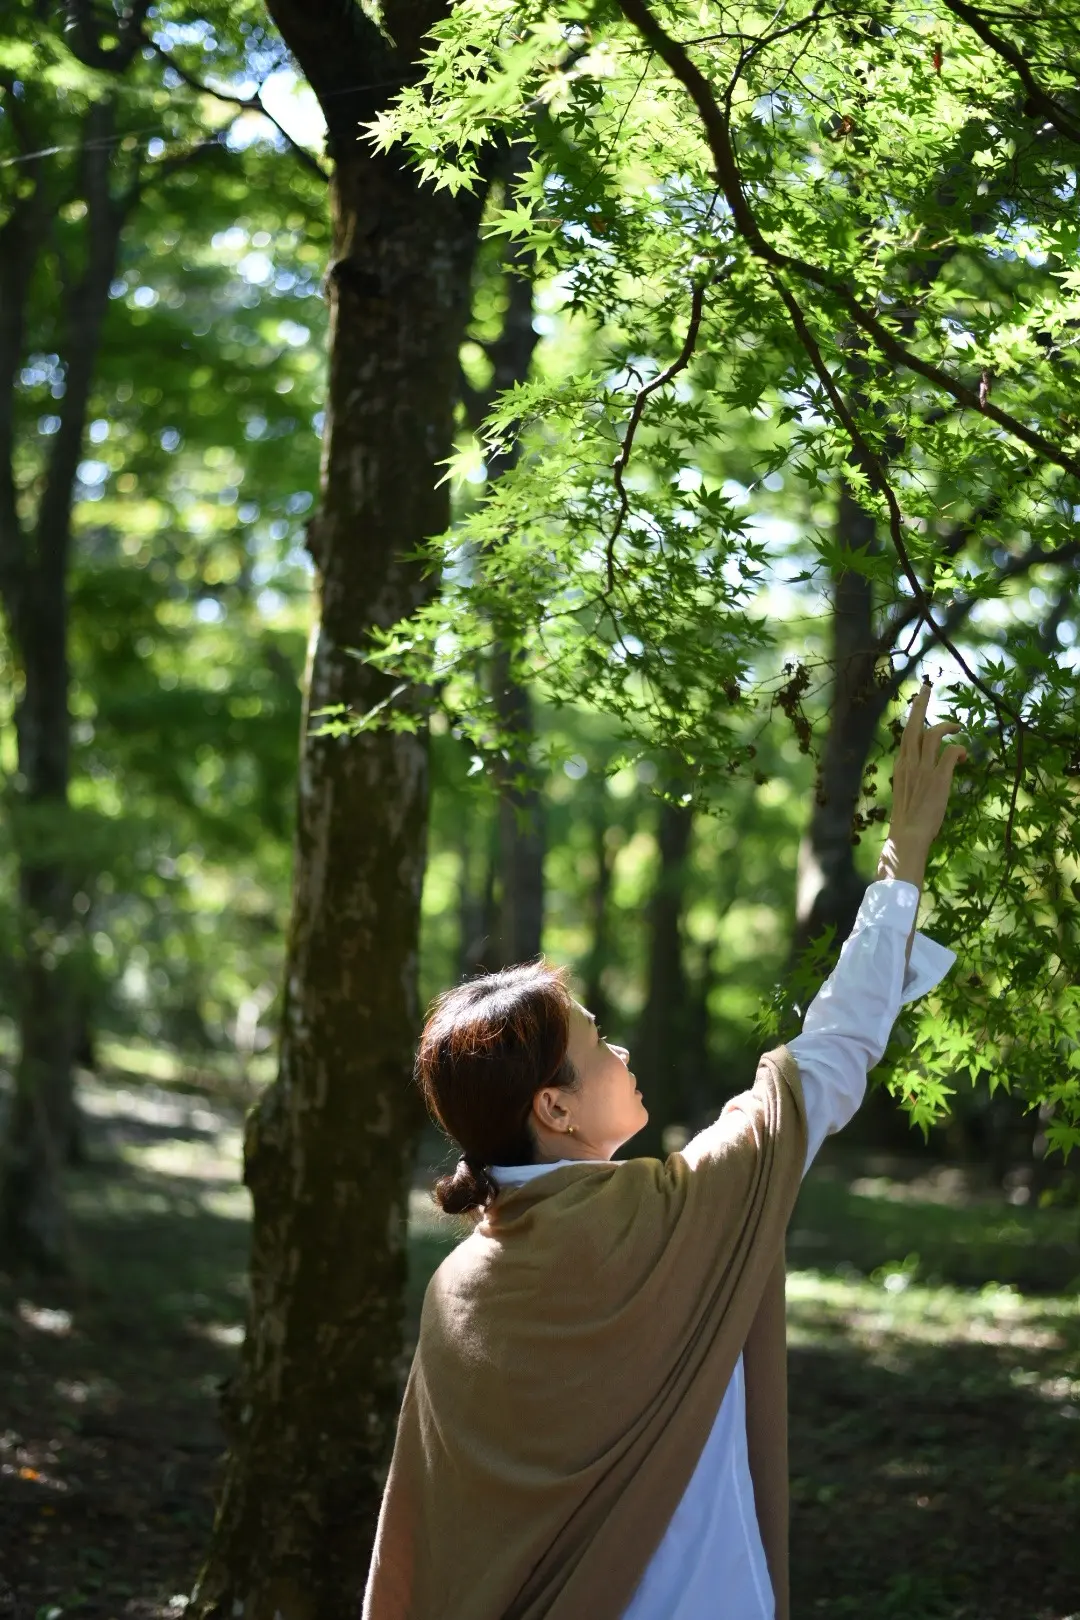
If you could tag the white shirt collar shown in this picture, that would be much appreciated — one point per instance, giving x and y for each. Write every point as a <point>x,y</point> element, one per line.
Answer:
<point>515,1175</point>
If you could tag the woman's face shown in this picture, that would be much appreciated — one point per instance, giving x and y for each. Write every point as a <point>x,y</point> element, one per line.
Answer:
<point>606,1110</point>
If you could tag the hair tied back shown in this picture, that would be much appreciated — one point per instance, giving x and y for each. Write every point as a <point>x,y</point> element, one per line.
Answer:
<point>469,1187</point>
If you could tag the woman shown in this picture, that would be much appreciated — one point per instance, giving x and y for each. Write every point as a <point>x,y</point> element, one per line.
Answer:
<point>595,1424</point>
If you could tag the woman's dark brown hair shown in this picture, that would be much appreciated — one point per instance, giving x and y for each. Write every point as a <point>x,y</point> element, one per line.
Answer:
<point>487,1048</point>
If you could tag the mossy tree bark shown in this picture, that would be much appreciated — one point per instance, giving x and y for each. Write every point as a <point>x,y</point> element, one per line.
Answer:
<point>311,1412</point>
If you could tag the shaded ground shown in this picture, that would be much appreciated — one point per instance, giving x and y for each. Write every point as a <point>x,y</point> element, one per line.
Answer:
<point>935,1384</point>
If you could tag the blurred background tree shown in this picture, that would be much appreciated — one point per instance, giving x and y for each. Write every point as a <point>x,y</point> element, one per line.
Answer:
<point>161,382</point>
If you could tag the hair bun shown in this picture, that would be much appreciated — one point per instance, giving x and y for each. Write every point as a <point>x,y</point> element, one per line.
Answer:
<point>469,1187</point>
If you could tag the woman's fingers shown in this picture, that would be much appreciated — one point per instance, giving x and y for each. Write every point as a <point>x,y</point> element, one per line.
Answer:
<point>933,736</point>
<point>911,740</point>
<point>951,758</point>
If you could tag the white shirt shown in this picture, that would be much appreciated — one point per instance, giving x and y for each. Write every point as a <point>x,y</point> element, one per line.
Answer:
<point>712,1545</point>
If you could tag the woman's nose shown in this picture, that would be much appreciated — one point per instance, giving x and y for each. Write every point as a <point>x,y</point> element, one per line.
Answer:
<point>623,1052</point>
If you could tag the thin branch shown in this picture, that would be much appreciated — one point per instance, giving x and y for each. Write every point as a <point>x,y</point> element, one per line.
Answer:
<point>880,480</point>
<point>1038,97</point>
<point>252,103</point>
<point>641,399</point>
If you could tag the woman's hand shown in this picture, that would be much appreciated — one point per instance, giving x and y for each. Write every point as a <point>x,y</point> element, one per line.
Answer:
<point>921,781</point>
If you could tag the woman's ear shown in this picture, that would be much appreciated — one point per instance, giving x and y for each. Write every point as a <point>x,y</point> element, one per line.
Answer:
<point>549,1110</point>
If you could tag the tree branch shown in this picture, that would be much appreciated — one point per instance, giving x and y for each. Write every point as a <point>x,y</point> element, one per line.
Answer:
<point>1039,98</point>
<point>253,103</point>
<point>641,399</point>
<point>718,136</point>
<point>84,35</point>
<point>335,46</point>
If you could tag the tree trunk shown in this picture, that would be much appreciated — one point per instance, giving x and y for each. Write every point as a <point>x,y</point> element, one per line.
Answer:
<point>829,887</point>
<point>310,1414</point>
<point>658,1054</point>
<point>604,856</point>
<point>521,804</point>
<point>43,1127</point>
<point>521,841</point>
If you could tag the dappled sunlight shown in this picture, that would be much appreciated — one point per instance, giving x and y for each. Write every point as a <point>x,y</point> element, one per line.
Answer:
<point>823,1307</point>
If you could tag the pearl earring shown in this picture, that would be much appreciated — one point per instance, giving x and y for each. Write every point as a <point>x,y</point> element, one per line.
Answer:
<point>570,1130</point>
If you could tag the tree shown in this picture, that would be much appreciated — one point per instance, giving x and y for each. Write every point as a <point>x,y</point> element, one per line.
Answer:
<point>850,224</point>
<point>328,1151</point>
<point>80,165</point>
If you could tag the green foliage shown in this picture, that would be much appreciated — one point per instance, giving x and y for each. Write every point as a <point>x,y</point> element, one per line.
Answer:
<point>840,245</point>
<point>188,584</point>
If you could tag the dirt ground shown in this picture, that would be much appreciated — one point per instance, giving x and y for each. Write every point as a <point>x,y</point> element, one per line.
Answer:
<point>935,1384</point>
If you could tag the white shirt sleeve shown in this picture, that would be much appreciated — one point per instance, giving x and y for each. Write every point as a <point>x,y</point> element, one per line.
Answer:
<point>847,1025</point>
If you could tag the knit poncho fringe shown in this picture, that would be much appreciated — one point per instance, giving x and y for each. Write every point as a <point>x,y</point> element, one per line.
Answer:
<point>573,1354</point>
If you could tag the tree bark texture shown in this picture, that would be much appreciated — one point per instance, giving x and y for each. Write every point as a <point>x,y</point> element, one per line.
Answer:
<point>328,1152</point>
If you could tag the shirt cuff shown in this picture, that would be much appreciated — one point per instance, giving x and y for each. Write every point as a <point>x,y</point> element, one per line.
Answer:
<point>892,903</point>
<point>928,966</point>
<point>889,903</point>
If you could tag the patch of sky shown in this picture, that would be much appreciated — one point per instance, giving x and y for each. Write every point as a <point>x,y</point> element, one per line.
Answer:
<point>298,502</point>
<point>155,147</point>
<point>255,427</point>
<point>270,603</point>
<point>292,333</point>
<point>93,472</point>
<point>170,439</point>
<point>774,531</point>
<point>181,33</point>
<point>144,297</point>
<point>736,493</point>
<point>256,269</point>
<point>627,647</point>
<point>43,368</point>
<point>98,431</point>
<point>48,425</point>
<point>208,610</point>
<point>294,104</point>
<point>229,241</point>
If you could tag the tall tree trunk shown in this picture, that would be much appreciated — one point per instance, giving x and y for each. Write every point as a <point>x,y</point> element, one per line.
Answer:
<point>829,887</point>
<point>522,839</point>
<point>604,857</point>
<point>310,1414</point>
<point>658,1055</point>
<point>42,1129</point>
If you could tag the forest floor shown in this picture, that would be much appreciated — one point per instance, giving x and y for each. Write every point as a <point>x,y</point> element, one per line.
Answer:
<point>935,1380</point>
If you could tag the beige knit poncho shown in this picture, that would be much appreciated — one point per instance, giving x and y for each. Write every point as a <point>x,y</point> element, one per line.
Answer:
<point>573,1355</point>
